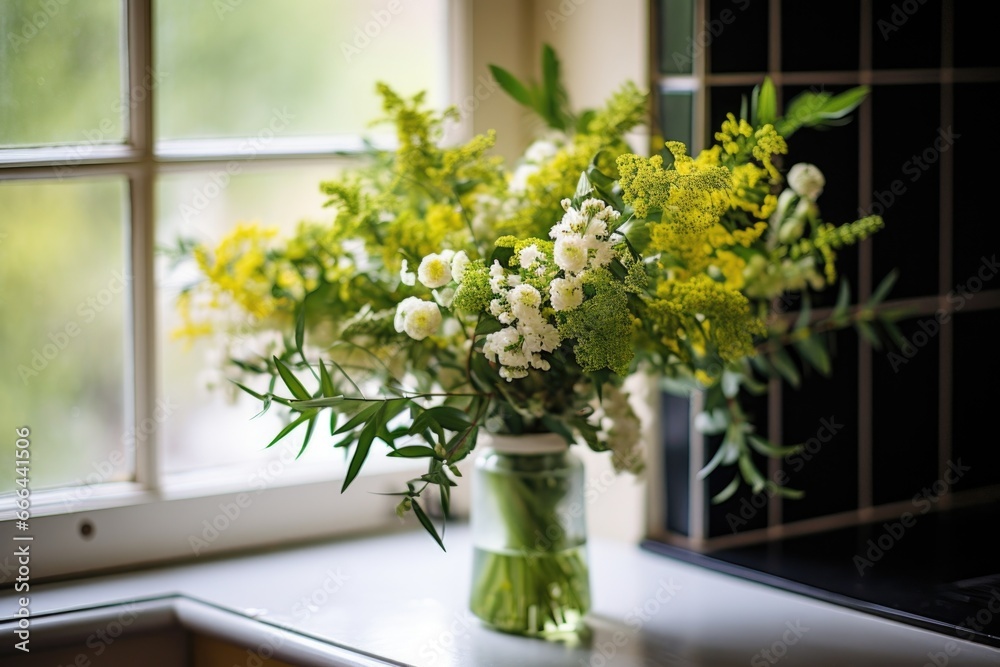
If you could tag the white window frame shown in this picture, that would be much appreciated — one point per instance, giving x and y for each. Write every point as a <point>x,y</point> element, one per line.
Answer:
<point>104,527</point>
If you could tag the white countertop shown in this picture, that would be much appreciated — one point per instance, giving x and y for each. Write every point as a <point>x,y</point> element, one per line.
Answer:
<point>399,597</point>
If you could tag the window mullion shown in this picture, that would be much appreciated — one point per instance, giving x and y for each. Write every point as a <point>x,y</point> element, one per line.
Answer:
<point>141,91</point>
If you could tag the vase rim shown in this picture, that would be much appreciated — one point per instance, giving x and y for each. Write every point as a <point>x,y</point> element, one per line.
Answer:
<point>525,444</point>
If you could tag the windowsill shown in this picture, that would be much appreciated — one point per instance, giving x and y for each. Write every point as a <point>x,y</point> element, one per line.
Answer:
<point>400,598</point>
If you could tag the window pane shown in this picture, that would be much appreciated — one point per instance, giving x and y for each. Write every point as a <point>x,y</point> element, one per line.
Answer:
<point>214,426</point>
<point>62,322</point>
<point>60,72</point>
<point>237,69</point>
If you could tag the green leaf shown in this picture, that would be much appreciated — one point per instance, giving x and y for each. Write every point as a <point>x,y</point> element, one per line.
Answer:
<point>866,330</point>
<point>325,381</point>
<point>412,452</point>
<point>360,418</point>
<point>487,325</point>
<point>583,187</point>
<point>362,448</point>
<point>883,288</point>
<point>461,444</point>
<point>259,397</point>
<point>727,493</point>
<point>814,351</point>
<point>722,453</point>
<point>305,416</point>
<point>300,329</point>
<point>785,492</point>
<point>783,363</point>
<point>751,474</point>
<point>767,103</point>
<point>844,103</point>
<point>449,417</point>
<point>550,82</point>
<point>322,402</point>
<point>843,300</point>
<point>711,422</point>
<point>292,382</point>
<point>512,86</point>
<point>769,449</point>
<point>805,313</point>
<point>427,524</point>
<point>309,435</point>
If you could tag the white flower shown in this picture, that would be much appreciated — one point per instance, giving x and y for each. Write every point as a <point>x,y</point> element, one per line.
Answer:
<point>519,179</point>
<point>435,270</point>
<point>444,297</point>
<point>605,252</point>
<point>529,256</point>
<point>459,263</point>
<point>418,318</point>
<point>524,301</point>
<point>540,151</point>
<point>570,254</point>
<point>806,180</point>
<point>565,294</point>
<point>498,278</point>
<point>406,276</point>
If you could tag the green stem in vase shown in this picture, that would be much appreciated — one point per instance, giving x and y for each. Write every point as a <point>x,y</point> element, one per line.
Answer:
<point>537,583</point>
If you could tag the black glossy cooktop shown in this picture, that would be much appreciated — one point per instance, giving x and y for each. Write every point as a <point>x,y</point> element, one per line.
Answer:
<point>941,573</point>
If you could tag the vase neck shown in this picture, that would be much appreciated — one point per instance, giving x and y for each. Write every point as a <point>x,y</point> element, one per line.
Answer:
<point>526,444</point>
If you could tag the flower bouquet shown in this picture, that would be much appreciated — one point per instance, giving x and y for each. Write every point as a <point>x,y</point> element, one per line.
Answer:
<point>451,300</point>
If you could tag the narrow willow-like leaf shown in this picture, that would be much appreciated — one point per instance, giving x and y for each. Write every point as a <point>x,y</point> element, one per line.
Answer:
<point>727,493</point>
<point>427,524</point>
<point>512,86</point>
<point>767,103</point>
<point>325,381</point>
<point>413,452</point>
<point>786,367</point>
<point>770,449</point>
<point>305,416</point>
<point>751,474</point>
<point>449,417</point>
<point>360,418</point>
<point>308,437</point>
<point>812,350</point>
<point>292,382</point>
<point>361,450</point>
<point>714,462</point>
<point>882,291</point>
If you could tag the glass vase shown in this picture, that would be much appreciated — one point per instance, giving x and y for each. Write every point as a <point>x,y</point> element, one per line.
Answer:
<point>529,574</point>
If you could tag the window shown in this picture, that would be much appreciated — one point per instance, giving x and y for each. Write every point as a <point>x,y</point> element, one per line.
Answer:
<point>908,155</point>
<point>124,123</point>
